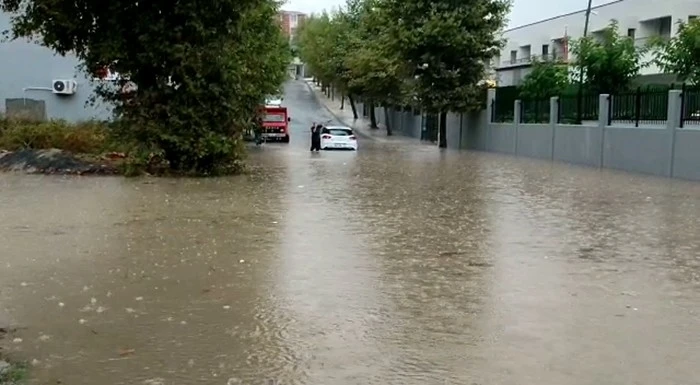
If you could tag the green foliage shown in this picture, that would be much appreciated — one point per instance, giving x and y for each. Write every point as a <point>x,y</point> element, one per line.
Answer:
<point>446,45</point>
<point>546,79</point>
<point>15,374</point>
<point>197,70</point>
<point>432,54</point>
<point>681,55</point>
<point>610,63</point>
<point>84,138</point>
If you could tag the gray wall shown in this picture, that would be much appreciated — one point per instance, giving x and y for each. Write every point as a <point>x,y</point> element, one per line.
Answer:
<point>26,65</point>
<point>663,150</point>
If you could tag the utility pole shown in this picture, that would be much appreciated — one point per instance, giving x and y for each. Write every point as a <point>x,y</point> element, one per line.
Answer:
<point>579,100</point>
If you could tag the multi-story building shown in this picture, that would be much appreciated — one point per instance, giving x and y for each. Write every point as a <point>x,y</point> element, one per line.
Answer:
<point>290,22</point>
<point>549,39</point>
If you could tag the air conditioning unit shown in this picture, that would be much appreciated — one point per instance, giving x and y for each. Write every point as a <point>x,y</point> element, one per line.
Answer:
<point>64,86</point>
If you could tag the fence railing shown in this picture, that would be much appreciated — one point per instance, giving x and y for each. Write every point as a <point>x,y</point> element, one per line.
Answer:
<point>534,111</point>
<point>690,106</point>
<point>503,106</point>
<point>571,113</point>
<point>502,112</point>
<point>641,106</point>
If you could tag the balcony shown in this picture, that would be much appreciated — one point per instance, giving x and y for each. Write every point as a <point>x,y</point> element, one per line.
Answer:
<point>527,61</point>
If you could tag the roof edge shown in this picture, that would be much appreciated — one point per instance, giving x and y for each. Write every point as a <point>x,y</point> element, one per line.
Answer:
<point>560,16</point>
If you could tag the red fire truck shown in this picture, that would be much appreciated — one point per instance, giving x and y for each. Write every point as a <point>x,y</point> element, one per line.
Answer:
<point>275,124</point>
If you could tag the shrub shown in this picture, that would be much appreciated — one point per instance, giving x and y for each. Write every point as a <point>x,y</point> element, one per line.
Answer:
<point>86,137</point>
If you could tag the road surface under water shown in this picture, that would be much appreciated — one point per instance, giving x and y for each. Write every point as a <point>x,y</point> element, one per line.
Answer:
<point>398,264</point>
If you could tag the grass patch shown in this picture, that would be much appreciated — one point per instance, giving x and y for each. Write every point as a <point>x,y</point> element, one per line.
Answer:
<point>14,374</point>
<point>82,138</point>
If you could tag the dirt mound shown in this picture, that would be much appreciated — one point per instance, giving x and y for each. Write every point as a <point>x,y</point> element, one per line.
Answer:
<point>53,162</point>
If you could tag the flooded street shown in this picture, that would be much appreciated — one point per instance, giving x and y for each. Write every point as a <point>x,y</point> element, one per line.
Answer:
<point>398,264</point>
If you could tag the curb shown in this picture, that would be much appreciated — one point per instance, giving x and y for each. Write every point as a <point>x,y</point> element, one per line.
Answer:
<point>338,118</point>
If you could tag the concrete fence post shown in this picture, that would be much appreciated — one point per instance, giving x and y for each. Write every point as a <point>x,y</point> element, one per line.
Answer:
<point>516,122</point>
<point>603,118</point>
<point>673,122</point>
<point>554,119</point>
<point>490,98</point>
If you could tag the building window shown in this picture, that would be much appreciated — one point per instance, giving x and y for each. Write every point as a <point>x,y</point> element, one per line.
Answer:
<point>513,56</point>
<point>545,50</point>
<point>692,17</point>
<point>631,32</point>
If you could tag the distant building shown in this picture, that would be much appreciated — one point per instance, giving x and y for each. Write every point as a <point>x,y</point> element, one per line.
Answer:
<point>549,39</point>
<point>290,21</point>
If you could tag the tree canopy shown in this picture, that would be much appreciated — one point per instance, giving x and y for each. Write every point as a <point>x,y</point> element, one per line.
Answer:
<point>200,69</point>
<point>546,79</point>
<point>609,61</point>
<point>681,55</point>
<point>429,54</point>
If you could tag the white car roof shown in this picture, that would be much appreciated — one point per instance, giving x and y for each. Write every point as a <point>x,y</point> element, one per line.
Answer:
<point>338,128</point>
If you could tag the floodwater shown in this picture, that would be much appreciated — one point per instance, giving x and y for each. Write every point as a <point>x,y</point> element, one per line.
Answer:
<point>398,264</point>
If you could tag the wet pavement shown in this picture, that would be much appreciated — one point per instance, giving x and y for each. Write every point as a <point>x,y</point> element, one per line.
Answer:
<point>398,264</point>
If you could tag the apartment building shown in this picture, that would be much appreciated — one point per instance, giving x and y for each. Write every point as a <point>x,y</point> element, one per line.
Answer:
<point>290,21</point>
<point>549,39</point>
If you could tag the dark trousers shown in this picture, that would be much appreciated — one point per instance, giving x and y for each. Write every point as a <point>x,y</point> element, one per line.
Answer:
<point>315,143</point>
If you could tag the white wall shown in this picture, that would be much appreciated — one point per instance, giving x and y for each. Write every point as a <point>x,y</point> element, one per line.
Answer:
<point>629,14</point>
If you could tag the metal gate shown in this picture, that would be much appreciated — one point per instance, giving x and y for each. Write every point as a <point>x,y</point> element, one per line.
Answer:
<point>430,124</point>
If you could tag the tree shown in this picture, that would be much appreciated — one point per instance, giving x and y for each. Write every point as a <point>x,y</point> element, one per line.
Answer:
<point>681,55</point>
<point>446,45</point>
<point>375,71</point>
<point>610,62</point>
<point>198,70</point>
<point>546,79</point>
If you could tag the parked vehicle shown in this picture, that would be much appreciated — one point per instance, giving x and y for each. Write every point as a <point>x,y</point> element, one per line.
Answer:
<point>338,138</point>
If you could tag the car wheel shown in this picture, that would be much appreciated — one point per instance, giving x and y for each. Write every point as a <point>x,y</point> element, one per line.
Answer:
<point>285,139</point>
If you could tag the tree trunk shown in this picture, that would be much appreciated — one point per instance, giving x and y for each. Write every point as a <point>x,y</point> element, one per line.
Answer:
<point>342,101</point>
<point>388,124</point>
<point>332,92</point>
<point>352,106</point>
<point>443,130</point>
<point>372,116</point>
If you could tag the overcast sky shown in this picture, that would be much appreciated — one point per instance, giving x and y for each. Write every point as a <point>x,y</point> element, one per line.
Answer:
<point>523,12</point>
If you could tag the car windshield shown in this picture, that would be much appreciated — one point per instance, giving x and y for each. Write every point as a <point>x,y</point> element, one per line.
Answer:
<point>337,131</point>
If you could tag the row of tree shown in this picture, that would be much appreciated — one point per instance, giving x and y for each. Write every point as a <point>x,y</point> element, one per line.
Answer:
<point>610,63</point>
<point>432,55</point>
<point>197,71</point>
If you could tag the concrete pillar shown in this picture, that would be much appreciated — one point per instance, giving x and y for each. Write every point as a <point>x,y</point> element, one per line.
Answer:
<point>517,112</point>
<point>674,114</point>
<point>554,119</point>
<point>490,97</point>
<point>603,120</point>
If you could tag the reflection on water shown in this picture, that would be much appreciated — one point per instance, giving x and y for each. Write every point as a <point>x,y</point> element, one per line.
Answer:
<point>398,264</point>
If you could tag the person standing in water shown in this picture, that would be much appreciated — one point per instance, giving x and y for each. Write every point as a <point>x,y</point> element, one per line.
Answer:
<point>316,137</point>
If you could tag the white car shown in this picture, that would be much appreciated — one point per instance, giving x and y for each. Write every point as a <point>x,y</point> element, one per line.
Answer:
<point>338,138</point>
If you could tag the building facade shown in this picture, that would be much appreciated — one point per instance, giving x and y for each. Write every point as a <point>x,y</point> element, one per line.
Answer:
<point>549,39</point>
<point>40,84</point>
<point>290,21</point>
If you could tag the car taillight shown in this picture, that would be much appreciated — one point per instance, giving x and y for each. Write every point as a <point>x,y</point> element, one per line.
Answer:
<point>353,137</point>
<point>326,137</point>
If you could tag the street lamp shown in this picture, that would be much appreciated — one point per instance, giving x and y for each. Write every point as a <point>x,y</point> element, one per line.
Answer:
<point>580,75</point>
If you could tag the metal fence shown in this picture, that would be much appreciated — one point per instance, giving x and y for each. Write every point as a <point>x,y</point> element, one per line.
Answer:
<point>534,111</point>
<point>641,106</point>
<point>690,106</point>
<point>503,106</point>
<point>569,112</point>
